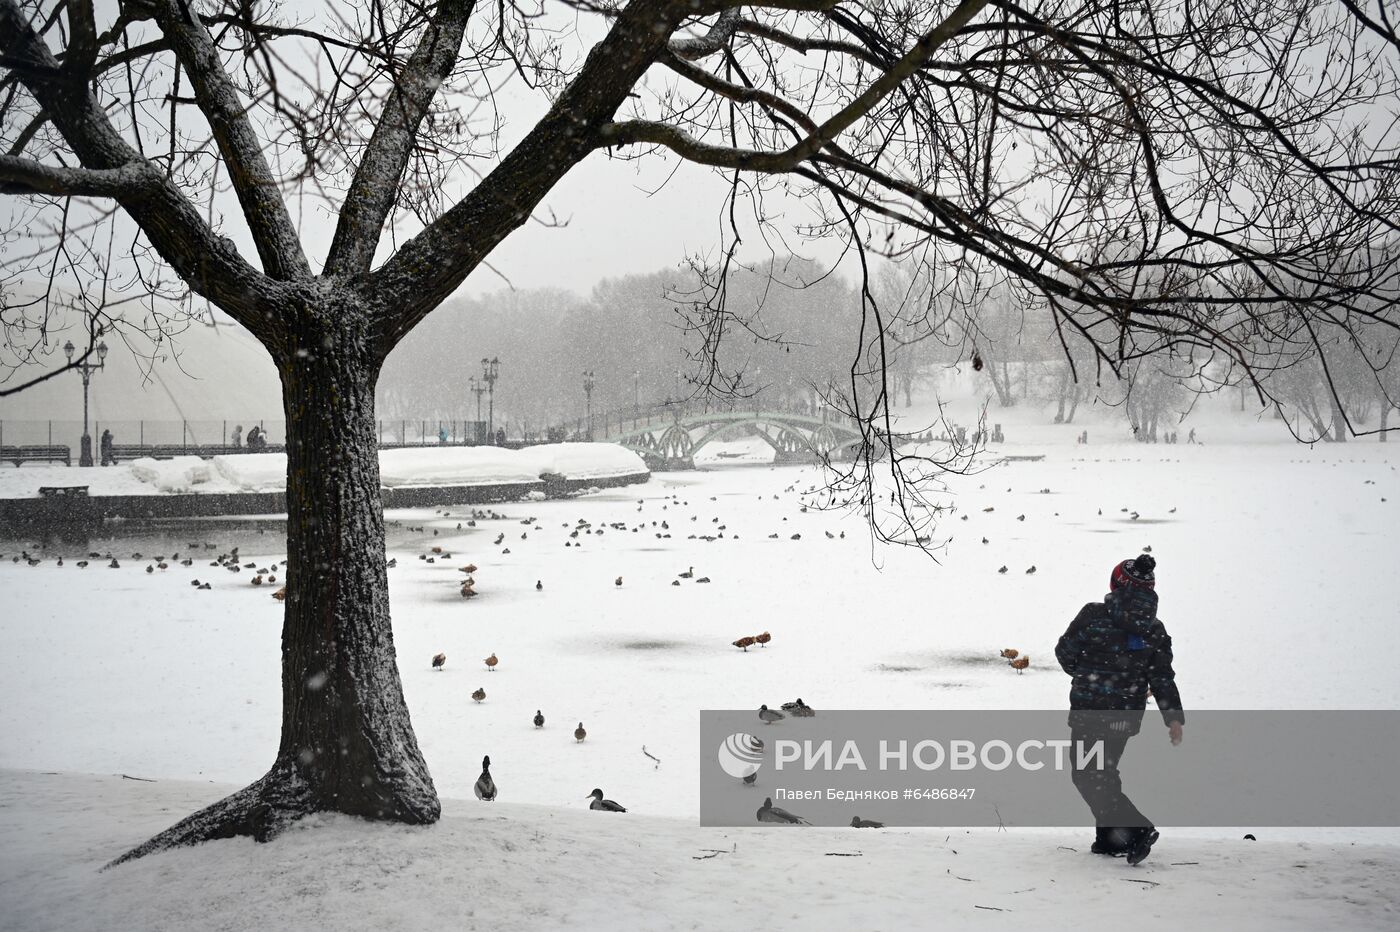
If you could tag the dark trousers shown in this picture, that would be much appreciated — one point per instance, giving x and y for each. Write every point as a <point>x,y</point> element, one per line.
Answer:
<point>1102,788</point>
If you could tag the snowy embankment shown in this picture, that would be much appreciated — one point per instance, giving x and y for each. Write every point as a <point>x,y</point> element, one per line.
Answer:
<point>445,466</point>
<point>519,866</point>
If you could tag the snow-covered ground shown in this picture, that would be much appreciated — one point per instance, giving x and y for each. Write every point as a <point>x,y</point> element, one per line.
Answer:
<point>1274,561</point>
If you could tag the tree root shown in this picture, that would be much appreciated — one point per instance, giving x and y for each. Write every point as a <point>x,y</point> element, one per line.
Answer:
<point>260,810</point>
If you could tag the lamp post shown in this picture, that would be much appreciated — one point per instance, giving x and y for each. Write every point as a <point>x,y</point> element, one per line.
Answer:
<point>636,395</point>
<point>588,383</point>
<point>490,371</point>
<point>478,389</point>
<point>86,368</point>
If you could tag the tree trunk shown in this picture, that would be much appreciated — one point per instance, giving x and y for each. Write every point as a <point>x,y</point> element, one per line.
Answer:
<point>347,741</point>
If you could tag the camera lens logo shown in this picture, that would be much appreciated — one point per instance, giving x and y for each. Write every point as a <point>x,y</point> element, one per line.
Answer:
<point>741,755</point>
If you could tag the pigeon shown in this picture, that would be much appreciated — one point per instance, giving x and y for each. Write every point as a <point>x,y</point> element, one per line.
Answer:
<point>601,804</point>
<point>768,716</point>
<point>485,787</point>
<point>771,813</point>
<point>579,733</point>
<point>539,719</point>
<point>439,660</point>
<point>858,822</point>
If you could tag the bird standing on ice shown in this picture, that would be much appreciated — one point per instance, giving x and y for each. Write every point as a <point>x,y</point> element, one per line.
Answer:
<point>579,733</point>
<point>491,663</point>
<point>485,786</point>
<point>479,695</point>
<point>439,660</point>
<point>539,719</point>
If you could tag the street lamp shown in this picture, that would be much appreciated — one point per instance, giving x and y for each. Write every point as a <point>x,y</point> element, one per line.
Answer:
<point>588,383</point>
<point>86,368</point>
<point>490,371</point>
<point>478,388</point>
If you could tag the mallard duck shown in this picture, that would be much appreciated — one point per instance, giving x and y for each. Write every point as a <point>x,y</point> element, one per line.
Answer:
<point>1010,653</point>
<point>539,719</point>
<point>256,580</point>
<point>617,581</point>
<point>601,804</point>
<point>768,716</point>
<point>745,643</point>
<point>763,639</point>
<point>1020,663</point>
<point>491,663</point>
<point>439,660</point>
<point>485,787</point>
<point>858,822</point>
<point>771,813</point>
<point>479,695</point>
<point>281,594</point>
<point>579,733</point>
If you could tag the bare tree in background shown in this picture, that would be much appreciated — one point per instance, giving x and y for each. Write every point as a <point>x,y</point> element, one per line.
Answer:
<point>1233,145</point>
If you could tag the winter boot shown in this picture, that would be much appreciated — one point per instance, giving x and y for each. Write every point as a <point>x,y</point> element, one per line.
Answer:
<point>1110,841</point>
<point>1141,845</point>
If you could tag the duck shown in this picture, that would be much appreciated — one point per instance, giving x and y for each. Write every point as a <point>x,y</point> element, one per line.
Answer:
<point>485,787</point>
<point>469,569</point>
<point>256,580</point>
<point>617,581</point>
<point>439,660</point>
<point>703,579</point>
<point>281,594</point>
<point>1031,571</point>
<point>768,716</point>
<point>1002,570</point>
<point>479,695</point>
<point>858,822</point>
<point>603,805</point>
<point>579,733</point>
<point>799,709</point>
<point>1020,663</point>
<point>1010,653</point>
<point>763,639</point>
<point>491,663</point>
<point>688,574</point>
<point>771,813</point>
<point>751,777</point>
<point>539,719</point>
<point>745,643</point>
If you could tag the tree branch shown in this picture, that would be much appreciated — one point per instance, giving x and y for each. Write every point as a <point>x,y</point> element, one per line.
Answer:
<point>279,247</point>
<point>377,180</point>
<point>22,176</point>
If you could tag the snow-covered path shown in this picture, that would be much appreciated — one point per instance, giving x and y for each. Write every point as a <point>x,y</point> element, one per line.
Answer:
<point>518,866</point>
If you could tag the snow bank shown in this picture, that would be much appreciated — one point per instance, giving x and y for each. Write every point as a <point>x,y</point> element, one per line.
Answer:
<point>180,474</point>
<point>254,472</point>
<point>583,460</point>
<point>453,466</point>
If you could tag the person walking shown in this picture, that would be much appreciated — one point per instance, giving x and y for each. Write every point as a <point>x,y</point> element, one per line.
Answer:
<point>238,435</point>
<point>1115,651</point>
<point>105,447</point>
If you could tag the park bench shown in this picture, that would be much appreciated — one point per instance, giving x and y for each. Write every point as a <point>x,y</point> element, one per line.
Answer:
<point>36,453</point>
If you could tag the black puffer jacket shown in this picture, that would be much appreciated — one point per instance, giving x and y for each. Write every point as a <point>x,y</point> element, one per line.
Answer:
<point>1113,667</point>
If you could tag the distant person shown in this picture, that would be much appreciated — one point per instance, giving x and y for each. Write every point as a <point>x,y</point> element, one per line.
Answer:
<point>238,436</point>
<point>105,445</point>
<point>257,441</point>
<point>442,435</point>
<point>1191,437</point>
<point>500,436</point>
<point>1116,650</point>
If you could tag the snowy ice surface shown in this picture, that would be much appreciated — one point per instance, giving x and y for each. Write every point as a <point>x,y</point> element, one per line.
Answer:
<point>1274,561</point>
<point>179,474</point>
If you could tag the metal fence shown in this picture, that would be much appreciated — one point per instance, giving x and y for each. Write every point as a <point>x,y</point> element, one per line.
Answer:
<point>205,433</point>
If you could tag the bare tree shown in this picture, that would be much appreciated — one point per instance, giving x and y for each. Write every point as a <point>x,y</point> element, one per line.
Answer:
<point>1233,145</point>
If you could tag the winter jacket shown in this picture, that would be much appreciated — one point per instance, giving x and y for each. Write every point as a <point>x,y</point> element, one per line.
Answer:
<point>1113,667</point>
